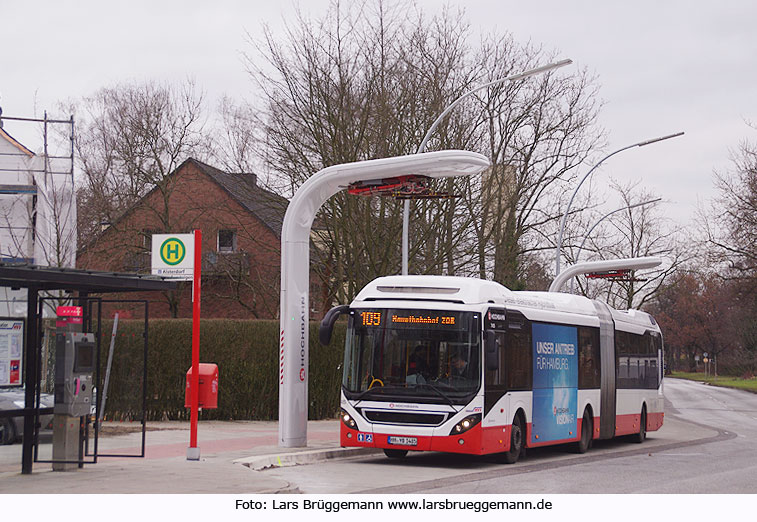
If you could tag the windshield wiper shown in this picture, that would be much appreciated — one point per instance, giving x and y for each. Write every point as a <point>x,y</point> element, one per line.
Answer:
<point>440,393</point>
<point>363,393</point>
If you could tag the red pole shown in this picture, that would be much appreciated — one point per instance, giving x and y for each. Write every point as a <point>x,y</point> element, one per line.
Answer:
<point>193,453</point>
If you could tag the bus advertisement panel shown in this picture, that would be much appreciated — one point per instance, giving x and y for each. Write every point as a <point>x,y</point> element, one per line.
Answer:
<point>555,390</point>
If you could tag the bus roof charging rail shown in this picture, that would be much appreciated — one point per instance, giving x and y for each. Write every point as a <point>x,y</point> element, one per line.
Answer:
<point>295,264</point>
<point>633,263</point>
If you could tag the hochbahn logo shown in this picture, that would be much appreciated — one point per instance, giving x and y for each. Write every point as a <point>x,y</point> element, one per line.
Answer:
<point>172,251</point>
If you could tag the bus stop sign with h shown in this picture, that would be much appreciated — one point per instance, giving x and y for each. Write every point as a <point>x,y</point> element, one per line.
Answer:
<point>179,256</point>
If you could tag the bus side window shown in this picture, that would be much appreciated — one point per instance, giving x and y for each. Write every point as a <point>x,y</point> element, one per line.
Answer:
<point>636,358</point>
<point>653,345</point>
<point>622,358</point>
<point>518,356</point>
<point>588,358</point>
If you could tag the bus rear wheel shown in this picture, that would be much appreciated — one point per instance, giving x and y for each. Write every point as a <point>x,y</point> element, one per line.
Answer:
<point>516,441</point>
<point>395,453</point>
<point>587,427</point>
<point>642,435</point>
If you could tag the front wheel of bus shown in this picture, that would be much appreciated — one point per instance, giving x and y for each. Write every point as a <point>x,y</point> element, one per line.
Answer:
<point>516,442</point>
<point>395,453</point>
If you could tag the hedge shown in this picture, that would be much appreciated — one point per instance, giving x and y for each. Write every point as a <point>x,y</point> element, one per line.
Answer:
<point>247,355</point>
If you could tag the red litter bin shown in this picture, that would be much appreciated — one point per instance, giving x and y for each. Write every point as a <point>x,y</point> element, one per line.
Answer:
<point>208,396</point>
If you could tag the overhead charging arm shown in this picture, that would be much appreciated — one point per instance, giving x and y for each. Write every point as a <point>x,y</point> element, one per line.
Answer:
<point>633,263</point>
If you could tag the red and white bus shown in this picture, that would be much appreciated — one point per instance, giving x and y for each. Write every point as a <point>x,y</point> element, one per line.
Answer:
<point>453,364</point>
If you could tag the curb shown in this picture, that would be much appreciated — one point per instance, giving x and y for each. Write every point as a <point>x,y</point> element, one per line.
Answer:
<point>261,462</point>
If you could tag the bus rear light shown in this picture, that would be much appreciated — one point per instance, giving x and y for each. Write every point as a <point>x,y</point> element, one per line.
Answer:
<point>348,421</point>
<point>466,424</point>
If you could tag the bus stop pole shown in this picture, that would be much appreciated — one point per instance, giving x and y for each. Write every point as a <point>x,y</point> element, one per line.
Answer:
<point>193,452</point>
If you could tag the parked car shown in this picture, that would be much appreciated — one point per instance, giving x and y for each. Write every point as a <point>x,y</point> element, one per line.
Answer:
<point>12,428</point>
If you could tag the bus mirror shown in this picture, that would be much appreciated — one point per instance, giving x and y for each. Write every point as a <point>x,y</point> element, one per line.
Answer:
<point>491,358</point>
<point>327,324</point>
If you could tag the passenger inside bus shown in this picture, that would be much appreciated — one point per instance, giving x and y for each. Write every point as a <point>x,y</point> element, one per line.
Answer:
<point>417,370</point>
<point>458,365</point>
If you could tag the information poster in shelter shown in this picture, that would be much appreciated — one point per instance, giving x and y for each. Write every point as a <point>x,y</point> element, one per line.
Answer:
<point>11,351</point>
<point>555,382</point>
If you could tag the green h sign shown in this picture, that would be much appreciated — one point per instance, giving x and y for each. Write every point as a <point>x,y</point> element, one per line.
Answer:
<point>172,251</point>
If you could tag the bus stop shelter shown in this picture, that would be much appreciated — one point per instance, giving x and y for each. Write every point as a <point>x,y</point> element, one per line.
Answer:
<point>38,279</point>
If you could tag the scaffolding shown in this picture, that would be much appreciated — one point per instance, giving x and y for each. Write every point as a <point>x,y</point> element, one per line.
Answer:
<point>37,200</point>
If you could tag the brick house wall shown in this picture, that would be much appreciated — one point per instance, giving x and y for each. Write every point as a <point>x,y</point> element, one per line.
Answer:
<point>241,226</point>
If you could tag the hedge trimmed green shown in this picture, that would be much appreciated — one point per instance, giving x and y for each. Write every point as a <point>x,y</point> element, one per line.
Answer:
<point>247,355</point>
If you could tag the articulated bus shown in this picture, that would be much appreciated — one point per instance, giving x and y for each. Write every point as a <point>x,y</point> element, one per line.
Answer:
<point>454,364</point>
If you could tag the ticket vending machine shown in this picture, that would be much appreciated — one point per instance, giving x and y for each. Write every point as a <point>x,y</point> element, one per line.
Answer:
<point>75,355</point>
<point>75,361</point>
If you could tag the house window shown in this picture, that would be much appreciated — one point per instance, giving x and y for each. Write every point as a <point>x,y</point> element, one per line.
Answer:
<point>227,241</point>
<point>147,234</point>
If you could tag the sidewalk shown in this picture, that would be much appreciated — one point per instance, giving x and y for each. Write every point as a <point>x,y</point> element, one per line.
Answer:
<point>230,455</point>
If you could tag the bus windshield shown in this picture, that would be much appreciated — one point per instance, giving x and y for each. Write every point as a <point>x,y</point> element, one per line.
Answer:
<point>424,355</point>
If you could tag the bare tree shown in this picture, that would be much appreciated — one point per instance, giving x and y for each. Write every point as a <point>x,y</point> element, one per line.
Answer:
<point>731,235</point>
<point>535,133</point>
<point>347,88</point>
<point>636,231</point>
<point>237,142</point>
<point>732,225</point>
<point>130,138</point>
<point>366,82</point>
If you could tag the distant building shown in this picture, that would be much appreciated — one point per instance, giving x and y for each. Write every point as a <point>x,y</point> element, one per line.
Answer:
<point>241,241</point>
<point>37,212</point>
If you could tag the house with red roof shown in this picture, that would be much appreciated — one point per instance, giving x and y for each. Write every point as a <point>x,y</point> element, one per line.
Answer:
<point>241,241</point>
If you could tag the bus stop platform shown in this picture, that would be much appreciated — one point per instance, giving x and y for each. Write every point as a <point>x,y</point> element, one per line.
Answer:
<point>231,453</point>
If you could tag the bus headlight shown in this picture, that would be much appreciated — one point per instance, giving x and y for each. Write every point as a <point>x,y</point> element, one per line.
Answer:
<point>347,420</point>
<point>466,424</point>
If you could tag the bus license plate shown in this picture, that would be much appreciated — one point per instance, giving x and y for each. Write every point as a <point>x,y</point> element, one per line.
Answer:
<point>403,441</point>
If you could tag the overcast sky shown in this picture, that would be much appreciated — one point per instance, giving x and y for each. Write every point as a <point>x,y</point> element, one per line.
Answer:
<point>663,67</point>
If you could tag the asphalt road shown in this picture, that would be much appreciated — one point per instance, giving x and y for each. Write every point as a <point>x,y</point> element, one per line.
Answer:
<point>707,445</point>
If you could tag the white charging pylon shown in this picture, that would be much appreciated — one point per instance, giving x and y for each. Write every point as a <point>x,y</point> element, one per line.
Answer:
<point>295,265</point>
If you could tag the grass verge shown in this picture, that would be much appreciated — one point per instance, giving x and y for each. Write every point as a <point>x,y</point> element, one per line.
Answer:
<point>738,383</point>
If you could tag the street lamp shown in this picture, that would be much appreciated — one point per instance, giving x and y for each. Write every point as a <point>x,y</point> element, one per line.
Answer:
<point>422,146</point>
<point>567,210</point>
<point>578,254</point>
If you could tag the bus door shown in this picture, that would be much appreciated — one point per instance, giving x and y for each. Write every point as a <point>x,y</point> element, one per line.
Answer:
<point>494,361</point>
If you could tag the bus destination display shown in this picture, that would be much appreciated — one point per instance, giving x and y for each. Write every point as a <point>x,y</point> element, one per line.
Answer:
<point>408,318</point>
